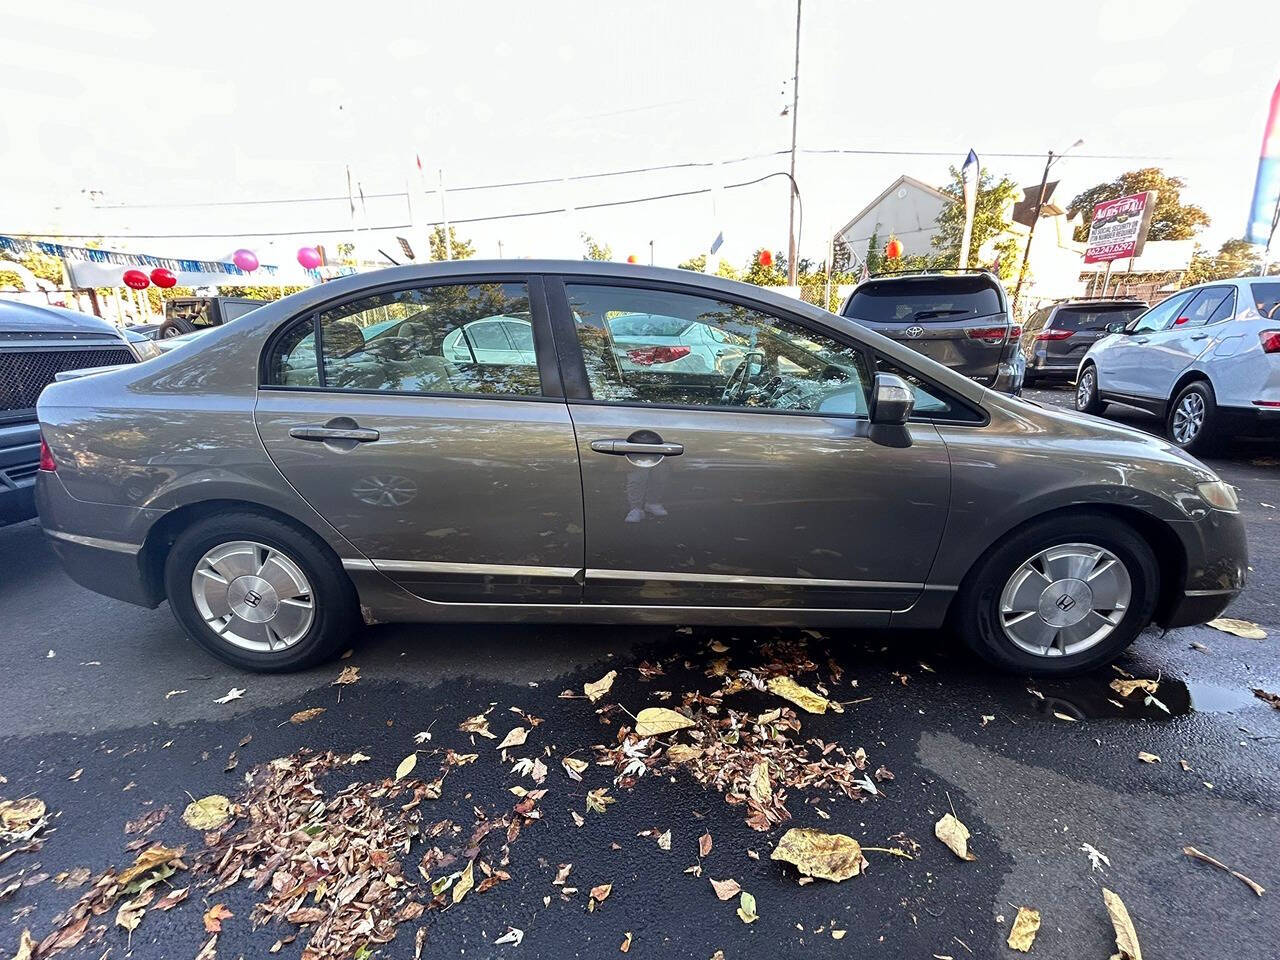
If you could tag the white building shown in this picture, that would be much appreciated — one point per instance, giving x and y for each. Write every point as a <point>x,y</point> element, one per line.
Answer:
<point>908,209</point>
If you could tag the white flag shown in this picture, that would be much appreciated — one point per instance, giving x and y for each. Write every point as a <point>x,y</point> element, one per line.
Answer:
<point>969,182</point>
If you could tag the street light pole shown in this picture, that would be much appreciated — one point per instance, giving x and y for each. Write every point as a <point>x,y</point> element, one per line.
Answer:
<point>1031,231</point>
<point>795,112</point>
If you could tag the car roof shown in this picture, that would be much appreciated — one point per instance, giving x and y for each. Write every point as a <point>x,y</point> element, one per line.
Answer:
<point>15,315</point>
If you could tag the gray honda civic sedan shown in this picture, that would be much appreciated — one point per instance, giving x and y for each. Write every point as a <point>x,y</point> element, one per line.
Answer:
<point>373,450</point>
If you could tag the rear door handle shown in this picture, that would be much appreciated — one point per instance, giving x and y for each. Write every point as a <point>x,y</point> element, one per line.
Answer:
<point>624,447</point>
<point>1139,339</point>
<point>320,432</point>
<point>1200,336</point>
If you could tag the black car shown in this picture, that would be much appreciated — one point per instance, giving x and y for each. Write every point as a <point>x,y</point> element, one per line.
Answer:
<point>36,344</point>
<point>960,319</point>
<point>1057,337</point>
<point>188,314</point>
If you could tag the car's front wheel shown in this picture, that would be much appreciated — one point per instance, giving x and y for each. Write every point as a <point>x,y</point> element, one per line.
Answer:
<point>1062,595</point>
<point>259,593</point>
<point>1191,422</point>
<point>1087,399</point>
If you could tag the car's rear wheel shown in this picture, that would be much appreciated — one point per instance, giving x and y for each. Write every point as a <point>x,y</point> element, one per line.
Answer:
<point>1062,595</point>
<point>173,327</point>
<point>1192,419</point>
<point>259,593</point>
<point>1087,399</point>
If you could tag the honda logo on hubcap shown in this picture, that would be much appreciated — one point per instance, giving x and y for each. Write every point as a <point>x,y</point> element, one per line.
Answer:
<point>253,598</point>
<point>1065,602</point>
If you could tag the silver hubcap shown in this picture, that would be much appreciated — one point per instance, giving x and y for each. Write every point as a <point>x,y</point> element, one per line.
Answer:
<point>1065,600</point>
<point>1084,391</point>
<point>1188,418</point>
<point>253,596</point>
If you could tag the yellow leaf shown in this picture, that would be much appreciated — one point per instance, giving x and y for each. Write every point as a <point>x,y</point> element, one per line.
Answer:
<point>207,813</point>
<point>131,912</point>
<point>801,696</point>
<point>1240,628</point>
<point>146,861</point>
<point>26,947</point>
<point>955,835</point>
<point>1148,757</point>
<point>515,738</point>
<point>302,716</point>
<point>465,882</point>
<point>680,753</point>
<point>1025,925</point>
<point>594,691</point>
<point>574,767</point>
<point>658,721</point>
<point>1126,936</point>
<point>760,787</point>
<point>747,908</point>
<point>1126,687</point>
<point>406,766</point>
<point>19,816</point>
<point>827,856</point>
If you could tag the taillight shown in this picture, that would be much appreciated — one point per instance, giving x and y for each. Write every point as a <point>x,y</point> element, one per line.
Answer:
<point>1015,332</point>
<point>46,457</point>
<point>986,334</point>
<point>1270,341</point>
<point>648,356</point>
<point>1053,334</point>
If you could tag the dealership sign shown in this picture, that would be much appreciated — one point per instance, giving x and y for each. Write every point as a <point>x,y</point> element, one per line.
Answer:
<point>1119,227</point>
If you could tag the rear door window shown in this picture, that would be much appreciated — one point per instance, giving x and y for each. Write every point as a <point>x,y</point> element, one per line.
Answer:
<point>924,300</point>
<point>1205,305</point>
<point>1266,297</point>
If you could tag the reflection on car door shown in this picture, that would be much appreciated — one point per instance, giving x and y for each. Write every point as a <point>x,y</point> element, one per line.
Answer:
<point>1121,365</point>
<point>1173,349</point>
<point>694,498</point>
<point>460,481</point>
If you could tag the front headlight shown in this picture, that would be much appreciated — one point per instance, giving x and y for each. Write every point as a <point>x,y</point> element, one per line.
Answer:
<point>144,349</point>
<point>1220,495</point>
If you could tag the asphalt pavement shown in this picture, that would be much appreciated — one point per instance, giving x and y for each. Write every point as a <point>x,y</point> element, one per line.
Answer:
<point>109,713</point>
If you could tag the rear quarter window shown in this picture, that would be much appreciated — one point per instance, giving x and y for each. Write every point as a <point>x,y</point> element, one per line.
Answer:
<point>929,300</point>
<point>1266,297</point>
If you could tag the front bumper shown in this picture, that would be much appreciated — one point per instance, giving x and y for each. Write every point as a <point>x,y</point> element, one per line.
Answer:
<point>1217,568</point>
<point>97,543</point>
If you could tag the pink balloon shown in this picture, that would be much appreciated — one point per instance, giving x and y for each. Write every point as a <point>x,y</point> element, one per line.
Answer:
<point>309,257</point>
<point>246,260</point>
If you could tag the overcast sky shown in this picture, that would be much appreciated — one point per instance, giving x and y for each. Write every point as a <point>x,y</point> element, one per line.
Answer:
<point>167,103</point>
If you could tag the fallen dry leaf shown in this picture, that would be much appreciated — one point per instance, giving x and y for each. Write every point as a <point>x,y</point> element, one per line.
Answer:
<point>26,947</point>
<point>515,738</point>
<point>207,813</point>
<point>747,908</point>
<point>172,899</point>
<point>513,936</point>
<point>680,753</point>
<point>658,721</point>
<point>1148,757</point>
<point>955,835</point>
<point>1126,936</point>
<point>1256,887</point>
<point>626,942</point>
<point>704,844</point>
<point>465,882</point>
<point>600,892</point>
<point>214,916</point>
<point>235,693</point>
<point>827,856</point>
<point>664,840</point>
<point>478,724</point>
<point>1025,925</point>
<point>725,889</point>
<point>801,696</point>
<point>407,765</point>
<point>210,950</point>
<point>1240,628</point>
<point>1267,697</point>
<point>759,785</point>
<point>148,860</point>
<point>19,816</point>
<point>594,691</point>
<point>348,675</point>
<point>131,912</point>
<point>1126,687</point>
<point>302,716</point>
<point>574,767</point>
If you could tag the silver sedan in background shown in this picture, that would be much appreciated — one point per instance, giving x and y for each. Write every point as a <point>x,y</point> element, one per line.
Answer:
<point>336,457</point>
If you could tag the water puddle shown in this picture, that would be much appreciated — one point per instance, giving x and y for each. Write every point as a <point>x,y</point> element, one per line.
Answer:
<point>1092,697</point>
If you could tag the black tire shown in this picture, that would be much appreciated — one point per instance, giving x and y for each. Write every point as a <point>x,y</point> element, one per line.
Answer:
<point>335,608</point>
<point>173,327</point>
<point>1087,399</point>
<point>976,613</point>
<point>1198,395</point>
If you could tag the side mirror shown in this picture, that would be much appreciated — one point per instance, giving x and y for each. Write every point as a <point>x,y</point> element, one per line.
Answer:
<point>892,400</point>
<point>1117,326</point>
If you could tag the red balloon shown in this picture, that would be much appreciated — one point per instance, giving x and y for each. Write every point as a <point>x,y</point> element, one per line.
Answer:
<point>631,258</point>
<point>309,257</point>
<point>893,249</point>
<point>246,260</point>
<point>136,280</point>
<point>765,258</point>
<point>164,279</point>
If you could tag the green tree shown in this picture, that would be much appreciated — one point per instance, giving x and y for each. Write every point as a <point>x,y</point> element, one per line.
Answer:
<point>1171,220</point>
<point>10,280</point>
<point>874,256</point>
<point>698,264</point>
<point>990,220</point>
<point>597,251</point>
<point>257,293</point>
<point>774,275</point>
<point>462,249</point>
<point>1235,258</point>
<point>45,266</point>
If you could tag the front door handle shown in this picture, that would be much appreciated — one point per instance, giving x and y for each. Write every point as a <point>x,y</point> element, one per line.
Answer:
<point>1200,336</point>
<point>624,447</point>
<point>1139,339</point>
<point>321,432</point>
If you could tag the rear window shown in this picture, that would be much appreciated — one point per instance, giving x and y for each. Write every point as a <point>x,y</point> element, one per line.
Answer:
<point>1266,297</point>
<point>1094,318</point>
<point>931,300</point>
<point>646,325</point>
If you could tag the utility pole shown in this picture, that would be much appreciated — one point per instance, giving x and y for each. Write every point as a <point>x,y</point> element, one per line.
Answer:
<point>795,112</point>
<point>1031,232</point>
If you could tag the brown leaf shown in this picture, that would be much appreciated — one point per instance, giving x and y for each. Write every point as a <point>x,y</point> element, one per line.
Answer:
<point>1127,687</point>
<point>594,691</point>
<point>478,724</point>
<point>1267,697</point>
<point>172,899</point>
<point>18,816</point>
<point>955,835</point>
<point>600,892</point>
<point>1257,888</point>
<point>680,753</point>
<point>214,916</point>
<point>1148,757</point>
<point>626,942</point>
<point>725,889</point>
<point>1025,926</point>
<point>760,787</point>
<point>130,914</point>
<point>1126,936</point>
<point>349,674</point>
<point>828,856</point>
<point>148,860</point>
<point>704,845</point>
<point>210,950</point>
<point>302,716</point>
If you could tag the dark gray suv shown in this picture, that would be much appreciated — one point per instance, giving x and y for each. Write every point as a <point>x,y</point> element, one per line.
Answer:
<point>960,319</point>
<point>1057,337</point>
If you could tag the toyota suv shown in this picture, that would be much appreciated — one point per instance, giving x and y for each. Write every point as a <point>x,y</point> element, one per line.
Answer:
<point>1058,336</point>
<point>961,319</point>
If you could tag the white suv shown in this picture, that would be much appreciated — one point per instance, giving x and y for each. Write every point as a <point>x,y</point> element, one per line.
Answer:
<point>1207,360</point>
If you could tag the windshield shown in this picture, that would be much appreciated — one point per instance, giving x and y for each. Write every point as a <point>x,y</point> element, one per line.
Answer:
<point>923,300</point>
